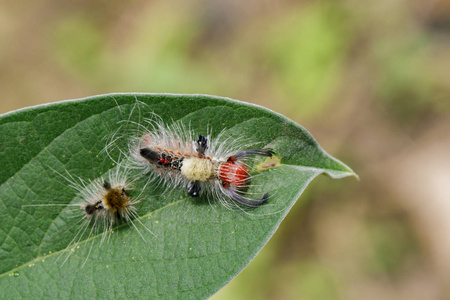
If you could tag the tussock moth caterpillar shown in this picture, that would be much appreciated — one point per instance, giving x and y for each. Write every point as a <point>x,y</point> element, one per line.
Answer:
<point>217,168</point>
<point>103,204</point>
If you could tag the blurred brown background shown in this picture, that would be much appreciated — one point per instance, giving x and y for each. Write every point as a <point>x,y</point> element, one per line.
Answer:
<point>369,79</point>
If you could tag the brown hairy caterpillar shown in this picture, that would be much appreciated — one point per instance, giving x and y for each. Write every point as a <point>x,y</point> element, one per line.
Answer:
<point>103,204</point>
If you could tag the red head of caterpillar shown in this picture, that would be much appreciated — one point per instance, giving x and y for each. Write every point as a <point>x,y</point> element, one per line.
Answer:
<point>203,166</point>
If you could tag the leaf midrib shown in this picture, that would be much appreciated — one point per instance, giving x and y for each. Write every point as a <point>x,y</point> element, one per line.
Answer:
<point>39,258</point>
<point>316,171</point>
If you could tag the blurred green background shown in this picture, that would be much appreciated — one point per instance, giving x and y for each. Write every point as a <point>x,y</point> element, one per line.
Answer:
<point>369,79</point>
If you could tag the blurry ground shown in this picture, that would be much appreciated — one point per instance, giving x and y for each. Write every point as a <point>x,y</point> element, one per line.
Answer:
<point>369,79</point>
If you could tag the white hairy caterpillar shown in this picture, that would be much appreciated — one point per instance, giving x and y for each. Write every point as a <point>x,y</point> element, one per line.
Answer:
<point>217,168</point>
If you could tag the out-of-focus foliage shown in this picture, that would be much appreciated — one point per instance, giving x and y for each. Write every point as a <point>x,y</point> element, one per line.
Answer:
<point>370,79</point>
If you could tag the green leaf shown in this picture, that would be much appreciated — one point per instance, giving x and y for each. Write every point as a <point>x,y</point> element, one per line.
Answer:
<point>196,248</point>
